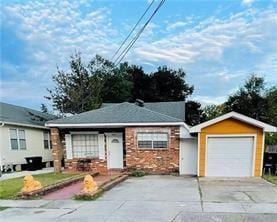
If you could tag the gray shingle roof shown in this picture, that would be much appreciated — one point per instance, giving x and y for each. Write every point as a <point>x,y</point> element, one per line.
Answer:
<point>118,113</point>
<point>173,109</point>
<point>22,115</point>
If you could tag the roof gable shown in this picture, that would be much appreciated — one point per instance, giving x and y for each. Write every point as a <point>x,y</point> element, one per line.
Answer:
<point>237,116</point>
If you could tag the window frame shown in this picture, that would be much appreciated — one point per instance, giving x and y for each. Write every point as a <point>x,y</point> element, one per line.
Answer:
<point>84,134</point>
<point>152,141</point>
<point>48,140</point>
<point>18,139</point>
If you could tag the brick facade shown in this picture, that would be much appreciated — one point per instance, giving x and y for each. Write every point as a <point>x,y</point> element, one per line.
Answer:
<point>159,161</point>
<point>95,165</point>
<point>156,160</point>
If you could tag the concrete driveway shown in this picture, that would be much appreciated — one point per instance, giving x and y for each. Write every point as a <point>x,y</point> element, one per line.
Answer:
<point>159,198</point>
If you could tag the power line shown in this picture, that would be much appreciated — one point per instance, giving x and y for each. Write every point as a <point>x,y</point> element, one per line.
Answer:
<point>124,41</point>
<point>129,46</point>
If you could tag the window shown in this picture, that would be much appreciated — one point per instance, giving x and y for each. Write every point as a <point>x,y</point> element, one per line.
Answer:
<point>13,136</point>
<point>18,140</point>
<point>22,140</point>
<point>85,146</point>
<point>46,140</point>
<point>152,140</point>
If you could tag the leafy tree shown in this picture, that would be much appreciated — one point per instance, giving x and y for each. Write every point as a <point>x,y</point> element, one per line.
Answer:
<point>142,83</point>
<point>165,84</point>
<point>44,108</point>
<point>86,86</point>
<point>271,97</point>
<point>249,99</point>
<point>169,85</point>
<point>116,85</point>
<point>213,111</point>
<point>194,113</point>
<point>78,90</point>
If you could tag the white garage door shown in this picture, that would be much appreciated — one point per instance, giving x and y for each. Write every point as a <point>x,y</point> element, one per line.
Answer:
<point>229,156</point>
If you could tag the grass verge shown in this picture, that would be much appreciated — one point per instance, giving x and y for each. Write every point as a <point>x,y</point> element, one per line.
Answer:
<point>10,188</point>
<point>3,208</point>
<point>271,178</point>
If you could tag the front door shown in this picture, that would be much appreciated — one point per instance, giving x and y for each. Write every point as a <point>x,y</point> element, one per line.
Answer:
<point>115,150</point>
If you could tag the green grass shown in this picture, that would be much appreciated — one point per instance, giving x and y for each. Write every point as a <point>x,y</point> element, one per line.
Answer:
<point>271,179</point>
<point>3,208</point>
<point>9,189</point>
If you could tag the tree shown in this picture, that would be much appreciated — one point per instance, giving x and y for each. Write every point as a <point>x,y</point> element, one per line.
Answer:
<point>249,99</point>
<point>194,113</point>
<point>78,90</point>
<point>213,111</point>
<point>271,97</point>
<point>142,86</point>
<point>170,85</point>
<point>44,108</point>
<point>165,84</point>
<point>116,85</point>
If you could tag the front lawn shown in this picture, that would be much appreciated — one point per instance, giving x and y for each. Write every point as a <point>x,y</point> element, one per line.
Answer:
<point>10,188</point>
<point>271,179</point>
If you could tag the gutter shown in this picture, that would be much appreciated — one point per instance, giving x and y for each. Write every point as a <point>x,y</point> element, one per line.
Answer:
<point>23,124</point>
<point>105,125</point>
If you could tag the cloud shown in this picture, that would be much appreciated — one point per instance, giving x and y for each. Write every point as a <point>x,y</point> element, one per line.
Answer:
<point>247,2</point>
<point>211,38</point>
<point>51,32</point>
<point>216,52</point>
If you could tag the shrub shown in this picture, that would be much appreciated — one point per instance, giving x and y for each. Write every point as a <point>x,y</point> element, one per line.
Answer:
<point>138,173</point>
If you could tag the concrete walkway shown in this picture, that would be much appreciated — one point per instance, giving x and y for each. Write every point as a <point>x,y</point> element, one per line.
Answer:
<point>158,198</point>
<point>68,192</point>
<point>7,176</point>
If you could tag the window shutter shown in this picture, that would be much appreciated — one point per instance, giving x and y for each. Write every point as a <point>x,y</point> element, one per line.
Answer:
<point>101,142</point>
<point>68,146</point>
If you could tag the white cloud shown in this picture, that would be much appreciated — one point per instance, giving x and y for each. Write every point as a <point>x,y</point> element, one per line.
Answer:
<point>211,38</point>
<point>247,2</point>
<point>212,51</point>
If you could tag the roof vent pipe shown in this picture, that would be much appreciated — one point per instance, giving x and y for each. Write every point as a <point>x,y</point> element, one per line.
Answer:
<point>139,102</point>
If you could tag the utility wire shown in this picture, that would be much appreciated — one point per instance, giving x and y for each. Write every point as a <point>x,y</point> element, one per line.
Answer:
<point>131,32</point>
<point>129,46</point>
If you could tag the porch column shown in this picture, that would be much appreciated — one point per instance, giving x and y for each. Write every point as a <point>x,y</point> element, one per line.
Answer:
<point>57,150</point>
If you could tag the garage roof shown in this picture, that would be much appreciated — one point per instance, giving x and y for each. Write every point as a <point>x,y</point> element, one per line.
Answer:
<point>266,127</point>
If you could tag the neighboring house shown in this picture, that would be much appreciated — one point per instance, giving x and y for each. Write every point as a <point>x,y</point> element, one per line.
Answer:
<point>23,134</point>
<point>153,137</point>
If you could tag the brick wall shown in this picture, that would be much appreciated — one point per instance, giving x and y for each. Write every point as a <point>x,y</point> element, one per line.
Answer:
<point>57,149</point>
<point>59,152</point>
<point>154,161</point>
<point>95,165</point>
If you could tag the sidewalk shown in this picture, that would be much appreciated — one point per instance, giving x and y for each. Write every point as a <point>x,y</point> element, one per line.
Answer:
<point>7,176</point>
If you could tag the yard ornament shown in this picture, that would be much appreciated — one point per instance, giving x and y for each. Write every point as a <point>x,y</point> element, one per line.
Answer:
<point>89,184</point>
<point>29,184</point>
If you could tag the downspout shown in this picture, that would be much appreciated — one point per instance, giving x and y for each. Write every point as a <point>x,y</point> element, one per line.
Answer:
<point>2,124</point>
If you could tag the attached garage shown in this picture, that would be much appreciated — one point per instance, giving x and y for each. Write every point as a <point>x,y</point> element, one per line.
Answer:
<point>231,145</point>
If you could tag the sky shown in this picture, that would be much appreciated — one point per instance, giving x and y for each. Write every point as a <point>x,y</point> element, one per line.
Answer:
<point>218,43</point>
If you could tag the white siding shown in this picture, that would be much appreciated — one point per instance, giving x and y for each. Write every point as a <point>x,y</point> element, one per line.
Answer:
<point>34,146</point>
